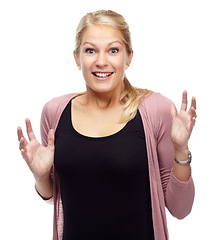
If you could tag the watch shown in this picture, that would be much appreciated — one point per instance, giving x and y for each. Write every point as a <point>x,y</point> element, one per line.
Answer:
<point>187,162</point>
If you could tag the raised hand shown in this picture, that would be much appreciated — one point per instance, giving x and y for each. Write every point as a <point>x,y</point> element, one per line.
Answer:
<point>38,157</point>
<point>183,123</point>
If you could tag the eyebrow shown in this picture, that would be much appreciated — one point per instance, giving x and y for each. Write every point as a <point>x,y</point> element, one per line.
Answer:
<point>108,43</point>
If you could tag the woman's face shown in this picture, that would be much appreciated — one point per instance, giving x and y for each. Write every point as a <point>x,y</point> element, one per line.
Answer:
<point>103,58</point>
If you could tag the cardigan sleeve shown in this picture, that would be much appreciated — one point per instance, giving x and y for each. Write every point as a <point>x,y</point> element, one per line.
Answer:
<point>50,116</point>
<point>179,196</point>
<point>45,126</point>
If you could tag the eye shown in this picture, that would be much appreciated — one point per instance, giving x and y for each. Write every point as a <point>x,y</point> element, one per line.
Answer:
<point>90,50</point>
<point>114,50</point>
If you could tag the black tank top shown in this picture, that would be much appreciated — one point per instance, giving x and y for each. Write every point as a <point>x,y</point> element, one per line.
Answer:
<point>104,182</point>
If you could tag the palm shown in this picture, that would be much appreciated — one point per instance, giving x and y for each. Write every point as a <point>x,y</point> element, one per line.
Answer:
<point>38,157</point>
<point>183,122</point>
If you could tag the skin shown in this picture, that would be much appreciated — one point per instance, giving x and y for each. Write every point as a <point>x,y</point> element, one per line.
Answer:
<point>183,124</point>
<point>103,51</point>
<point>38,158</point>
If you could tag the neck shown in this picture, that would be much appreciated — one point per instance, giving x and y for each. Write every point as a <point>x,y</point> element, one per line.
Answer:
<point>103,100</point>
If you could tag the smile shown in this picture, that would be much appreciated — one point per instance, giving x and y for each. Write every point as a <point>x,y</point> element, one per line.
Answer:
<point>102,75</point>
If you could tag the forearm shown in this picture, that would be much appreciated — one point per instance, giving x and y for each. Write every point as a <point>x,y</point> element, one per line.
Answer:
<point>182,172</point>
<point>44,186</point>
<point>179,196</point>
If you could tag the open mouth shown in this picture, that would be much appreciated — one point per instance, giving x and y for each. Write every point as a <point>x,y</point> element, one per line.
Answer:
<point>102,74</point>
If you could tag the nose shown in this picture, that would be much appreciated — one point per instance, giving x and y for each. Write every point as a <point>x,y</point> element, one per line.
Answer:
<point>101,60</point>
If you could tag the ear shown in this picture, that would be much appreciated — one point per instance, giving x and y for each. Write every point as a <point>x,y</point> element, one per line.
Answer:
<point>130,57</point>
<point>76,60</point>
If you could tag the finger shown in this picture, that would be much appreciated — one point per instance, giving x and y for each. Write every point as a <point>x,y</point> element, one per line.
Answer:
<point>19,133</point>
<point>23,150</point>
<point>193,112</point>
<point>29,130</point>
<point>173,111</point>
<point>25,156</point>
<point>23,144</point>
<point>184,101</point>
<point>193,102</point>
<point>51,139</point>
<point>193,122</point>
<point>193,116</point>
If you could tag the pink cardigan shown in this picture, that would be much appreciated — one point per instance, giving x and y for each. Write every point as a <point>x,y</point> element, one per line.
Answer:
<point>166,190</point>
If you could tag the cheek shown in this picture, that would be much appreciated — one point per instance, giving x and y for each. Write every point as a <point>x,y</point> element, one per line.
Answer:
<point>120,64</point>
<point>85,66</point>
<point>83,62</point>
<point>121,67</point>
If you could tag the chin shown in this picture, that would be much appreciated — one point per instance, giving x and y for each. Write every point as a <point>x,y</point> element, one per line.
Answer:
<point>105,87</point>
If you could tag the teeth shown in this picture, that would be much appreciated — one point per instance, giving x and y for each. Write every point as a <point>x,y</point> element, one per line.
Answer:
<point>102,74</point>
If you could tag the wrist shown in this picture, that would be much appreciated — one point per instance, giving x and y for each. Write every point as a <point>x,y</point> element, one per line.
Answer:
<point>44,178</point>
<point>44,186</point>
<point>181,171</point>
<point>182,154</point>
<point>181,165</point>
<point>185,162</point>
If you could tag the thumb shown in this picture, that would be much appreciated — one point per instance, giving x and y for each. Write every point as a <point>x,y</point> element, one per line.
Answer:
<point>173,111</point>
<point>51,138</point>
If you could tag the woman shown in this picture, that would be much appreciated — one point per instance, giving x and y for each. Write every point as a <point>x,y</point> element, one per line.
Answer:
<point>114,156</point>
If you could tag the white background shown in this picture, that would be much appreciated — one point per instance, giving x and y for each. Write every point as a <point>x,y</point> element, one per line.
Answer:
<point>174,49</point>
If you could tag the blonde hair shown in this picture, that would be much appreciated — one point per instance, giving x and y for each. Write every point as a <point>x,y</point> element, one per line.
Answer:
<point>130,97</point>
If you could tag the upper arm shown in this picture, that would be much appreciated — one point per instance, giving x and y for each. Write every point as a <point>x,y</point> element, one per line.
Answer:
<point>165,149</point>
<point>44,124</point>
